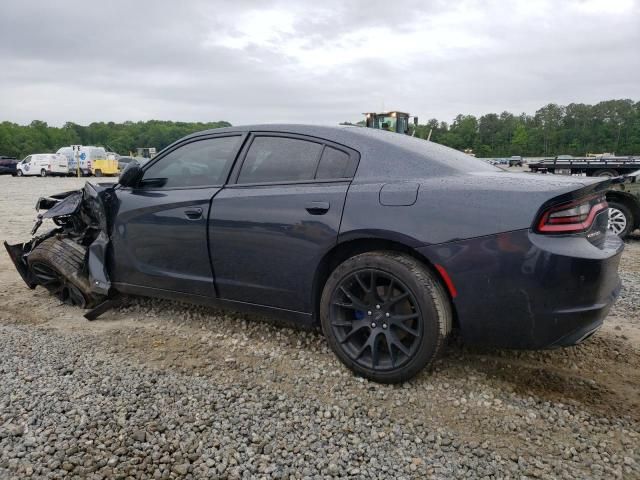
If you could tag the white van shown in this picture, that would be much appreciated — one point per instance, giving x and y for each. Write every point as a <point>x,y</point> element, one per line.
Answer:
<point>43,165</point>
<point>88,155</point>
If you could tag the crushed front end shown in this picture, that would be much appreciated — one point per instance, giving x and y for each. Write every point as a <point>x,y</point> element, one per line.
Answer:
<point>81,225</point>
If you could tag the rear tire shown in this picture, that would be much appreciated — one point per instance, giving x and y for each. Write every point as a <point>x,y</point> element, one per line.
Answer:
<point>43,173</point>
<point>606,173</point>
<point>621,220</point>
<point>372,332</point>
<point>58,265</point>
<point>98,173</point>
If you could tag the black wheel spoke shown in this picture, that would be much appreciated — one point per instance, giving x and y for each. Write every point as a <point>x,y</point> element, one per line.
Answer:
<point>392,355</point>
<point>404,318</point>
<point>389,291</point>
<point>361,350</point>
<point>374,349</point>
<point>395,300</point>
<point>342,323</point>
<point>356,328</point>
<point>374,285</point>
<point>347,305</point>
<point>75,297</point>
<point>399,345</point>
<point>411,331</point>
<point>354,301</point>
<point>361,283</point>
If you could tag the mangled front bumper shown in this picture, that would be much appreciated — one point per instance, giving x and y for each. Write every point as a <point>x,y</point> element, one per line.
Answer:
<point>17,255</point>
<point>80,215</point>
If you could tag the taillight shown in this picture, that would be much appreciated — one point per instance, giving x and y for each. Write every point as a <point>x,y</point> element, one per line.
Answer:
<point>572,217</point>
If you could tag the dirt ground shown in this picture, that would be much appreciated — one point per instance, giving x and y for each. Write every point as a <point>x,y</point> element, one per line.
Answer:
<point>600,378</point>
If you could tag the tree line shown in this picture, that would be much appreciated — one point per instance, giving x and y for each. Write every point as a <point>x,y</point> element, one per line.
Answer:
<point>575,129</point>
<point>38,137</point>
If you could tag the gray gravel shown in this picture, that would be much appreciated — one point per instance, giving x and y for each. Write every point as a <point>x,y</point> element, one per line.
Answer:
<point>157,389</point>
<point>84,405</point>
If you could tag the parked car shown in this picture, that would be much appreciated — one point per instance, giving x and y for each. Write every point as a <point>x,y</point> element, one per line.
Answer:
<point>123,161</point>
<point>8,165</point>
<point>385,241</point>
<point>623,198</point>
<point>515,161</point>
<point>43,165</point>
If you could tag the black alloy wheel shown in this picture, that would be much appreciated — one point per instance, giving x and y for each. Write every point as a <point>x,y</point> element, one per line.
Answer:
<point>57,285</point>
<point>385,315</point>
<point>375,317</point>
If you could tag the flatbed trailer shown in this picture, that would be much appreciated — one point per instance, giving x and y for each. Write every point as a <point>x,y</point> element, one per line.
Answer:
<point>592,167</point>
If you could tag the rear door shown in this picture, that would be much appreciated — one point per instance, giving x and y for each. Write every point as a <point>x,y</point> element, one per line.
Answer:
<point>159,236</point>
<point>277,217</point>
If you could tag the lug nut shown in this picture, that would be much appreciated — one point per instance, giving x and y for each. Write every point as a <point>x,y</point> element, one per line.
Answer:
<point>373,325</point>
<point>369,313</point>
<point>387,315</point>
<point>377,307</point>
<point>384,325</point>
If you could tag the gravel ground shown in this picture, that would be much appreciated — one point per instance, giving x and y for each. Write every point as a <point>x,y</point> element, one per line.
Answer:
<point>157,389</point>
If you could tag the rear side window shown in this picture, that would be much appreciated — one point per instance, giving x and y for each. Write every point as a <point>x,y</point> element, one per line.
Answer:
<point>195,164</point>
<point>279,159</point>
<point>334,164</point>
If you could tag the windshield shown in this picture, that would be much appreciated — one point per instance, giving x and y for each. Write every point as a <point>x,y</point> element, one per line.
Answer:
<point>386,122</point>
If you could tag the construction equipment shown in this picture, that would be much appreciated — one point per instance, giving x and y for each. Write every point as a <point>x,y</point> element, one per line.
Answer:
<point>394,121</point>
<point>146,152</point>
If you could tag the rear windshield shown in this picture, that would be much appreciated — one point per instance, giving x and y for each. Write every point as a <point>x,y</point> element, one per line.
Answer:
<point>444,155</point>
<point>420,158</point>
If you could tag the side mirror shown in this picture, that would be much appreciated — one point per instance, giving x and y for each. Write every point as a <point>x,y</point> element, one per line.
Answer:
<point>131,175</point>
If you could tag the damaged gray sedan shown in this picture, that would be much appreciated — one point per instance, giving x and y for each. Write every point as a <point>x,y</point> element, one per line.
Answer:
<point>385,241</point>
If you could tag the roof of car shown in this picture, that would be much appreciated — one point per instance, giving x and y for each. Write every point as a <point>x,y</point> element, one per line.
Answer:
<point>381,150</point>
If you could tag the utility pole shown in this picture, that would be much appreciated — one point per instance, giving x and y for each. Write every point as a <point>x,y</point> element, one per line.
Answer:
<point>76,155</point>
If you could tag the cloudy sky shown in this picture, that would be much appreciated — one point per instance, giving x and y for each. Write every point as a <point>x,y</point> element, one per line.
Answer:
<point>310,61</point>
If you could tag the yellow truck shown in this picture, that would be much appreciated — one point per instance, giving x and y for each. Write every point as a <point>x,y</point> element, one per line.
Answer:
<point>105,167</point>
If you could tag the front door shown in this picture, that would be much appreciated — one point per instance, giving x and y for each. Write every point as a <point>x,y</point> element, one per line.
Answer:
<point>159,235</point>
<point>270,228</point>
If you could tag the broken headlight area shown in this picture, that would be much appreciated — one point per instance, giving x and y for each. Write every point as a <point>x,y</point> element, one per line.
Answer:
<point>70,258</point>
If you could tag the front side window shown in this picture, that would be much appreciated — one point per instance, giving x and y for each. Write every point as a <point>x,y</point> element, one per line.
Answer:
<point>279,159</point>
<point>195,164</point>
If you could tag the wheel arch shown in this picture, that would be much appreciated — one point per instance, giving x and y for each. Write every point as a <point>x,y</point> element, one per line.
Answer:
<point>629,200</point>
<point>368,242</point>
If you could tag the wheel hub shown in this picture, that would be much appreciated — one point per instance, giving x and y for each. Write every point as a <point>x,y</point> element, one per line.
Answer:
<point>617,221</point>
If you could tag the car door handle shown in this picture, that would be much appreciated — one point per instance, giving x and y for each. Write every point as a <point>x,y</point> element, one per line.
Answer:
<point>193,213</point>
<point>317,208</point>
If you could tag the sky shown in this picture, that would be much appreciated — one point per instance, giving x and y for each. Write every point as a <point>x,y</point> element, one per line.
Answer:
<point>318,62</point>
